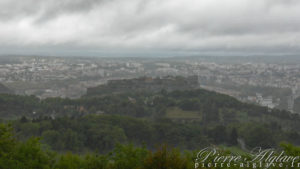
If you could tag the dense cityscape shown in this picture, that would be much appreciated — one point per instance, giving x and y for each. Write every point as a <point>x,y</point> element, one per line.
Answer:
<point>274,85</point>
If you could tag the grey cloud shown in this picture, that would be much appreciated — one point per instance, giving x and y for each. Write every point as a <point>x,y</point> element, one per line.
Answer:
<point>13,9</point>
<point>282,2</point>
<point>142,25</point>
<point>56,8</point>
<point>45,9</point>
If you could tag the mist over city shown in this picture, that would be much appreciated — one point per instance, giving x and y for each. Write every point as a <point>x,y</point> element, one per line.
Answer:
<point>136,84</point>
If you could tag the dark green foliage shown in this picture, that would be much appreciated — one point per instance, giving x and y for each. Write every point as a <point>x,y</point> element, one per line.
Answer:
<point>233,136</point>
<point>22,155</point>
<point>164,158</point>
<point>213,107</point>
<point>7,142</point>
<point>145,118</point>
<point>189,104</point>
<point>12,106</point>
<point>31,155</point>
<point>144,84</point>
<point>100,133</point>
<point>258,135</point>
<point>297,105</point>
<point>128,157</point>
<point>218,134</point>
<point>4,89</point>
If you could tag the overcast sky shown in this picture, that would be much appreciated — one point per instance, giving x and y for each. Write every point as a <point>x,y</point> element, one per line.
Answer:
<point>149,27</point>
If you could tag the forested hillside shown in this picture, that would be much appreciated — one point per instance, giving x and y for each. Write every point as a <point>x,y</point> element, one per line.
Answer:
<point>185,119</point>
<point>4,89</point>
<point>149,84</point>
<point>98,123</point>
<point>32,154</point>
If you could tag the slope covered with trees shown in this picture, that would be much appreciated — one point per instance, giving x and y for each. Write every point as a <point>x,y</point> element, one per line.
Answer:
<point>32,154</point>
<point>184,119</point>
<point>100,133</point>
<point>4,89</point>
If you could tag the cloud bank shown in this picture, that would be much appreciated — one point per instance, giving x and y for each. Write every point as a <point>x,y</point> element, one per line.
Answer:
<point>140,26</point>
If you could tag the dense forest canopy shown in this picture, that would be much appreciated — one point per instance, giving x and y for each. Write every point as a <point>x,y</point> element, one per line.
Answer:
<point>4,89</point>
<point>32,154</point>
<point>99,123</point>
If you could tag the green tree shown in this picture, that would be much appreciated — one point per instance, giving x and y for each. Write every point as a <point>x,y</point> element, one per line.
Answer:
<point>233,136</point>
<point>165,158</point>
<point>128,157</point>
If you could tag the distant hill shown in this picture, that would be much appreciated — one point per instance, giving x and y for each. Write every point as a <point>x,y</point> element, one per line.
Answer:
<point>297,105</point>
<point>5,90</point>
<point>186,119</point>
<point>151,111</point>
<point>145,84</point>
